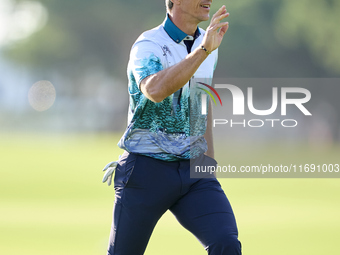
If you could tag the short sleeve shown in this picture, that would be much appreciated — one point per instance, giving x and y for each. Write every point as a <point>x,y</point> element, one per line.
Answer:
<point>146,58</point>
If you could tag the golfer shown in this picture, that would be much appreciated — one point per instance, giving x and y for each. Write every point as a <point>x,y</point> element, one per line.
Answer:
<point>153,174</point>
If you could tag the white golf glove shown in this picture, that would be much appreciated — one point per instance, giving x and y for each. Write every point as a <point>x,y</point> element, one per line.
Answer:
<point>109,168</point>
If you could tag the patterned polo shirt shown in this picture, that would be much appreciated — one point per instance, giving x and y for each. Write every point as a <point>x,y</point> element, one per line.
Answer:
<point>173,129</point>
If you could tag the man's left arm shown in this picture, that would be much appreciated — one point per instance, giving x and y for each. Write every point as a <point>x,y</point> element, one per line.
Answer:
<point>209,133</point>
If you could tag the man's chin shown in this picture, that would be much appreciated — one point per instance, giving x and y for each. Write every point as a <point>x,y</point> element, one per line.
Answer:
<point>205,18</point>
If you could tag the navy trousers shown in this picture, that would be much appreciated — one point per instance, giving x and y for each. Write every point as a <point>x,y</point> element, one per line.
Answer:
<point>145,188</point>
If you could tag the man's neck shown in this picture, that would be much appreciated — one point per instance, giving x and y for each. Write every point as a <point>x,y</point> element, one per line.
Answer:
<point>187,27</point>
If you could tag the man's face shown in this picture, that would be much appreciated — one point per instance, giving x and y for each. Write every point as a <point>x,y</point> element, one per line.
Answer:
<point>195,10</point>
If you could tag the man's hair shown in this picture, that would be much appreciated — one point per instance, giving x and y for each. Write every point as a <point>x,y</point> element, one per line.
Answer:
<point>169,4</point>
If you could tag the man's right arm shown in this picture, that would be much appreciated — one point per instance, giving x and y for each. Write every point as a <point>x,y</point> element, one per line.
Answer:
<point>162,84</point>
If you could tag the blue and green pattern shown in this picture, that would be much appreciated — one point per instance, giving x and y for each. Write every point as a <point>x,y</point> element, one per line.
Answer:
<point>154,129</point>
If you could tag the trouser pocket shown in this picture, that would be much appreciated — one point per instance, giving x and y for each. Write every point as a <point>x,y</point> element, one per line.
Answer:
<point>124,169</point>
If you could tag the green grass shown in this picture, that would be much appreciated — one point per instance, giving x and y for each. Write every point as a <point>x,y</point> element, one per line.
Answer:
<point>53,202</point>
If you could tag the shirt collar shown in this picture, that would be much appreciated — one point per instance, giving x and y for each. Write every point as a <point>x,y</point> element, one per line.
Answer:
<point>174,32</point>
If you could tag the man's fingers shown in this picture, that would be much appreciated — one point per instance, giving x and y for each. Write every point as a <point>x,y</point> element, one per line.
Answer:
<point>216,29</point>
<point>218,18</point>
<point>224,29</point>
<point>219,12</point>
<point>219,25</point>
<point>222,16</point>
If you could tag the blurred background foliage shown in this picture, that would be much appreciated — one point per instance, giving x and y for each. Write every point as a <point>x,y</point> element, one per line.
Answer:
<point>280,38</point>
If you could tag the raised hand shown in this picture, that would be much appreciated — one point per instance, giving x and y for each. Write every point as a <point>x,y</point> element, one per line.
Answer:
<point>216,30</point>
